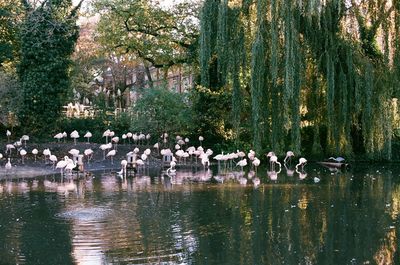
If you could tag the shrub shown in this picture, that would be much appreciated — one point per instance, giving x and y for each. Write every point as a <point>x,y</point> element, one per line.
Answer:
<point>160,110</point>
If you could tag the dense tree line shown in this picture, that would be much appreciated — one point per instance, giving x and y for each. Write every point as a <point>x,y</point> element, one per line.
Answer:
<point>316,77</point>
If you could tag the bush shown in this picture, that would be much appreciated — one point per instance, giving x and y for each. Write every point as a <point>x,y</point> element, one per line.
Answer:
<point>160,110</point>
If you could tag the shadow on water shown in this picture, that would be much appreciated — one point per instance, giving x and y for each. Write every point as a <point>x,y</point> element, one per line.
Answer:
<point>198,216</point>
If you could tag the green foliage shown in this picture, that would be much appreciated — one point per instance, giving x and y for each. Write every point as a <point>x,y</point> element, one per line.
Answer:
<point>258,76</point>
<point>212,114</point>
<point>161,37</point>
<point>208,43</point>
<point>10,15</point>
<point>10,99</point>
<point>48,36</point>
<point>160,110</point>
<point>325,74</point>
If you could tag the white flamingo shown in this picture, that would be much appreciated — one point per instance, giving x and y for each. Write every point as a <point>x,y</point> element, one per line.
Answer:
<point>302,163</point>
<point>74,135</point>
<point>23,154</point>
<point>8,133</point>
<point>242,163</point>
<point>288,157</point>
<point>46,153</point>
<point>105,147</point>
<point>129,136</point>
<point>89,154</point>
<point>8,165</point>
<point>251,155</point>
<point>9,147</point>
<point>64,135</point>
<point>205,161</point>
<point>88,135</point>
<point>256,163</point>
<point>201,139</point>
<point>115,140</point>
<point>58,136</point>
<point>111,154</point>
<point>35,152</point>
<point>25,138</point>
<point>171,170</point>
<point>273,159</point>
<point>139,164</point>
<point>106,134</point>
<point>71,165</point>
<point>122,173</point>
<point>62,164</point>
<point>53,159</point>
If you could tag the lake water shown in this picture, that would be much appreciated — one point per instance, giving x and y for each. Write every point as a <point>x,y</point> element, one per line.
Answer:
<point>202,217</point>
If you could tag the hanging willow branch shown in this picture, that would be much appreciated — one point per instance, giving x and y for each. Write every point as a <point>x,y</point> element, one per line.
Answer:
<point>223,40</point>
<point>258,75</point>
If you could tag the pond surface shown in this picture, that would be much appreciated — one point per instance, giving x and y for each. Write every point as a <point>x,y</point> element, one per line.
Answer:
<point>204,217</point>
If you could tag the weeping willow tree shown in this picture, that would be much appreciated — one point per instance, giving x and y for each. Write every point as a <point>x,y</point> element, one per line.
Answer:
<point>322,73</point>
<point>259,74</point>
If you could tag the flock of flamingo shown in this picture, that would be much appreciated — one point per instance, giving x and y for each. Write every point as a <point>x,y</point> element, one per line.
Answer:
<point>177,157</point>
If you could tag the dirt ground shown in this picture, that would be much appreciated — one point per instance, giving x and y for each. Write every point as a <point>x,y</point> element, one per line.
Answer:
<point>32,167</point>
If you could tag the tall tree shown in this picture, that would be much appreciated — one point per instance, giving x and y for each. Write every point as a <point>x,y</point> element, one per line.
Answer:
<point>333,66</point>
<point>162,37</point>
<point>48,36</point>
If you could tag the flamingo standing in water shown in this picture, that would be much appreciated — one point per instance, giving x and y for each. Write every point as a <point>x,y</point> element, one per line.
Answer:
<point>23,154</point>
<point>115,140</point>
<point>242,163</point>
<point>288,157</point>
<point>89,154</point>
<point>219,157</point>
<point>53,159</point>
<point>122,173</point>
<point>62,164</point>
<point>111,154</point>
<point>8,165</point>
<point>302,163</point>
<point>171,170</point>
<point>105,147</point>
<point>256,163</point>
<point>273,159</point>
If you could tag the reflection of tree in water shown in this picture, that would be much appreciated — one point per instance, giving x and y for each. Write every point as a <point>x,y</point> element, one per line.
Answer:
<point>346,216</point>
<point>32,234</point>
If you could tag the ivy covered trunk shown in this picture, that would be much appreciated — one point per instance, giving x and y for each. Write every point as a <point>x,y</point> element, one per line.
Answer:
<point>48,36</point>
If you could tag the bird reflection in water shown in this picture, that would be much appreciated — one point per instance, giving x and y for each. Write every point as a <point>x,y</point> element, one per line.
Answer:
<point>273,175</point>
